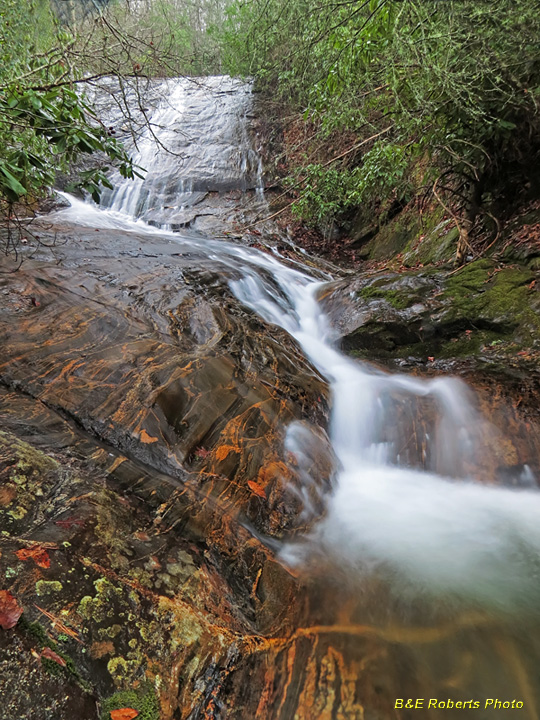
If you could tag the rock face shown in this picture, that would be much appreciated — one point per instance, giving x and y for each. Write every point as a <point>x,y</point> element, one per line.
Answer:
<point>429,312</point>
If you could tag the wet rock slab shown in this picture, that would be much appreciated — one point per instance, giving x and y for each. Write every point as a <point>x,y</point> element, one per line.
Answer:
<point>142,449</point>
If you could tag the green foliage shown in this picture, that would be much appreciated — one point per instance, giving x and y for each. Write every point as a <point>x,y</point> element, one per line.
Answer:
<point>456,82</point>
<point>45,123</point>
<point>327,191</point>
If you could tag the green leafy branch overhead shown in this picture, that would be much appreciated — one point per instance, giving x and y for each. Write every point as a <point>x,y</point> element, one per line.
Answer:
<point>45,121</point>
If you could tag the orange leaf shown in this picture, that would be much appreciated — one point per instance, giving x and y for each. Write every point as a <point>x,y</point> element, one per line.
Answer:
<point>124,714</point>
<point>223,451</point>
<point>257,489</point>
<point>10,610</point>
<point>51,655</point>
<point>146,438</point>
<point>36,553</point>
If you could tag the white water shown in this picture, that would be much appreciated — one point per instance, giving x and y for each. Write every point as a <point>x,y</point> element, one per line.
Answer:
<point>196,141</point>
<point>426,532</point>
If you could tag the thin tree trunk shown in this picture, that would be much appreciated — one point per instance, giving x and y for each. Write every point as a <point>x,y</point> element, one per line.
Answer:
<point>466,224</point>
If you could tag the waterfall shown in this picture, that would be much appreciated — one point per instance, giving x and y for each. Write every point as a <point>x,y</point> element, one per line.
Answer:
<point>429,530</point>
<point>195,142</point>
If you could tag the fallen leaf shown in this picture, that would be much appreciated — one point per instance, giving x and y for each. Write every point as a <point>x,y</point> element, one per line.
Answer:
<point>142,536</point>
<point>10,610</point>
<point>257,489</point>
<point>146,438</point>
<point>8,493</point>
<point>68,523</point>
<point>124,714</point>
<point>51,655</point>
<point>431,359</point>
<point>36,553</point>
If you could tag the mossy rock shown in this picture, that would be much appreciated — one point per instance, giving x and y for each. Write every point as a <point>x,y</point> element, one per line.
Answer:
<point>393,238</point>
<point>144,700</point>
<point>436,246</point>
<point>423,238</point>
<point>420,314</point>
<point>495,298</point>
<point>397,300</point>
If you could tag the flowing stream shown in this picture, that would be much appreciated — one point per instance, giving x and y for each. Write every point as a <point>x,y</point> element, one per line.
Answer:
<point>427,530</point>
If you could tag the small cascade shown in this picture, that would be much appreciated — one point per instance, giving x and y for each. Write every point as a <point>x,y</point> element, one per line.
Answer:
<point>431,532</point>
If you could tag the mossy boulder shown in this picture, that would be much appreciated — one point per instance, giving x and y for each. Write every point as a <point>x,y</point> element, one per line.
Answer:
<point>418,239</point>
<point>483,308</point>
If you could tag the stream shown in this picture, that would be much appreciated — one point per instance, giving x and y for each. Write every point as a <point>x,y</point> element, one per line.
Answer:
<point>443,568</point>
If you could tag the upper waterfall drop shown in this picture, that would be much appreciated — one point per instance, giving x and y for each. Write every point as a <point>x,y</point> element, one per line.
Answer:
<point>196,141</point>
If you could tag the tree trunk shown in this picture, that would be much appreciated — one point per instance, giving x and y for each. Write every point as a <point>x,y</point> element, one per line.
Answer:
<point>466,224</point>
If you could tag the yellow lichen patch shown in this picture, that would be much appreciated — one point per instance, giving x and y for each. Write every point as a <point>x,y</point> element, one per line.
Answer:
<point>122,670</point>
<point>45,587</point>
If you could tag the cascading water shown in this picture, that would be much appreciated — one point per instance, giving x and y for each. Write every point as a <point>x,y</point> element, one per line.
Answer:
<point>195,142</point>
<point>431,531</point>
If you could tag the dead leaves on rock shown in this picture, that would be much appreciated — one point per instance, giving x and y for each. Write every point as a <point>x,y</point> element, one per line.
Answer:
<point>257,489</point>
<point>8,493</point>
<point>37,553</point>
<point>146,438</point>
<point>124,714</point>
<point>51,655</point>
<point>10,610</point>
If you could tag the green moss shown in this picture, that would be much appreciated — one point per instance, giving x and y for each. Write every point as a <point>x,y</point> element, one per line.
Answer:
<point>493,298</point>
<point>396,298</point>
<point>53,668</point>
<point>437,245</point>
<point>394,237</point>
<point>38,636</point>
<point>35,631</point>
<point>144,700</point>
